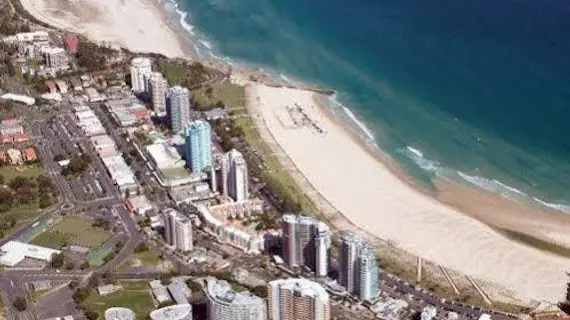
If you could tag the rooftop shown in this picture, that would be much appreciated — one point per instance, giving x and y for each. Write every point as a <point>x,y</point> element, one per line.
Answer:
<point>224,294</point>
<point>119,313</point>
<point>302,286</point>
<point>175,312</point>
<point>13,252</point>
<point>165,156</point>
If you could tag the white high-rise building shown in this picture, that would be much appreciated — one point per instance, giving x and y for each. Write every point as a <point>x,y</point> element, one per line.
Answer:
<point>234,174</point>
<point>158,88</point>
<point>298,299</point>
<point>55,58</point>
<point>348,257</point>
<point>306,243</point>
<point>226,304</point>
<point>178,230</point>
<point>178,101</point>
<point>322,250</point>
<point>141,69</point>
<point>367,275</point>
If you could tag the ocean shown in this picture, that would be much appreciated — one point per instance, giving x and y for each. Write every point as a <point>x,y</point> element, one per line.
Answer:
<point>476,91</point>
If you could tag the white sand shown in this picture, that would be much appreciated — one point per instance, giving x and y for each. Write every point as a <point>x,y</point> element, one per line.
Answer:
<point>136,25</point>
<point>373,198</point>
<point>364,190</point>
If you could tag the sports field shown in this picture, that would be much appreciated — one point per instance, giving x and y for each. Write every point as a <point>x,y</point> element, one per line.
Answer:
<point>72,231</point>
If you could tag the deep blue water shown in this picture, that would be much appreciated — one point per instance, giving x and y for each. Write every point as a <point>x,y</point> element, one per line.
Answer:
<point>481,87</point>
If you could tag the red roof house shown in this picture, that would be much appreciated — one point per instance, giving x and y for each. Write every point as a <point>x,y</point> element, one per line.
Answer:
<point>51,86</point>
<point>71,43</point>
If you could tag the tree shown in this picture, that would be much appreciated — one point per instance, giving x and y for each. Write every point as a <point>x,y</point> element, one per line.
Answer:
<point>260,291</point>
<point>93,282</point>
<point>57,260</point>
<point>194,285</point>
<point>73,284</point>
<point>80,295</point>
<point>20,303</point>
<point>91,315</point>
<point>142,247</point>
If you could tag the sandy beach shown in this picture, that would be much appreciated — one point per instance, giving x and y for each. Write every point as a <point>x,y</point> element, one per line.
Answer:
<point>374,198</point>
<point>137,25</point>
<point>362,191</point>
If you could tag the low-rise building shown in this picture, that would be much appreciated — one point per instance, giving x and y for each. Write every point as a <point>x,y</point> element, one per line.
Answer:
<point>13,252</point>
<point>104,145</point>
<point>175,312</point>
<point>226,304</point>
<point>121,173</point>
<point>390,309</point>
<point>139,204</point>
<point>12,131</point>
<point>179,291</point>
<point>71,43</point>
<point>231,234</point>
<point>429,313</point>
<point>15,156</point>
<point>107,289</point>
<point>161,295</point>
<point>119,313</point>
<point>30,154</point>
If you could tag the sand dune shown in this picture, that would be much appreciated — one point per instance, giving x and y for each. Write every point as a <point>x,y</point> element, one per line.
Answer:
<point>373,198</point>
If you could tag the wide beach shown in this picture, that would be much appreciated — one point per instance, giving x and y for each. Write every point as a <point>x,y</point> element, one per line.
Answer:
<point>369,193</point>
<point>374,198</point>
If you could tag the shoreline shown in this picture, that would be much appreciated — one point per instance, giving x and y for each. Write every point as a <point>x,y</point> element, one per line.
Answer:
<point>449,193</point>
<point>412,219</point>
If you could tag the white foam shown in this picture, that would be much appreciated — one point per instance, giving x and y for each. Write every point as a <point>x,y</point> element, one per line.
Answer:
<point>557,206</point>
<point>492,185</point>
<point>185,25</point>
<point>206,44</point>
<point>415,151</point>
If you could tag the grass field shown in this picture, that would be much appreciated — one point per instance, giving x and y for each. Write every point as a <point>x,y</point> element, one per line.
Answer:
<point>26,171</point>
<point>24,214</point>
<point>72,231</point>
<point>146,258</point>
<point>175,73</point>
<point>232,95</point>
<point>134,296</point>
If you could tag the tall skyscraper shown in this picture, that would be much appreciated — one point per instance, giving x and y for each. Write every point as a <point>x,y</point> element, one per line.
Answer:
<point>226,304</point>
<point>140,72</point>
<point>306,243</point>
<point>322,250</point>
<point>158,88</point>
<point>178,231</point>
<point>348,257</point>
<point>178,108</point>
<point>367,274</point>
<point>358,269</point>
<point>289,231</point>
<point>199,145</point>
<point>234,175</point>
<point>298,299</point>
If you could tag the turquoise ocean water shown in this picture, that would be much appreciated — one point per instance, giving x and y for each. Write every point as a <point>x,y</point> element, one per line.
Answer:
<point>476,91</point>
